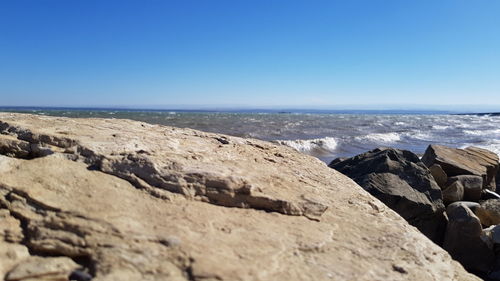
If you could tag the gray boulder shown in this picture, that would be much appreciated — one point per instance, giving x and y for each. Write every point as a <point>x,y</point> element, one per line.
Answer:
<point>473,186</point>
<point>470,161</point>
<point>400,180</point>
<point>463,239</point>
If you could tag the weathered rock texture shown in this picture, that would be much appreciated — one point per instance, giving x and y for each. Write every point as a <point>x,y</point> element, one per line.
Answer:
<point>470,161</point>
<point>400,180</point>
<point>131,201</point>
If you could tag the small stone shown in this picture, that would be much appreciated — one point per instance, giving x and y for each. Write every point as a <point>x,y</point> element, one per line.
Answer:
<point>399,269</point>
<point>78,275</point>
<point>439,175</point>
<point>472,185</point>
<point>453,193</point>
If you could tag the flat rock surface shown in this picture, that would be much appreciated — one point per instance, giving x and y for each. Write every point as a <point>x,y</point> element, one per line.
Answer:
<point>470,161</point>
<point>132,201</point>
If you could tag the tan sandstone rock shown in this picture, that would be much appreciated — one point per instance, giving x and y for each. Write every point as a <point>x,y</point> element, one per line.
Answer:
<point>489,212</point>
<point>439,175</point>
<point>470,161</point>
<point>133,201</point>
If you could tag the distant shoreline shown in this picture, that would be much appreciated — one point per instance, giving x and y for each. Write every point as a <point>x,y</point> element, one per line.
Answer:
<point>481,114</point>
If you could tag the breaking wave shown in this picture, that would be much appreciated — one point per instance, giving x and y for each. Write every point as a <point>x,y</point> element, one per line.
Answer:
<point>322,146</point>
<point>380,137</point>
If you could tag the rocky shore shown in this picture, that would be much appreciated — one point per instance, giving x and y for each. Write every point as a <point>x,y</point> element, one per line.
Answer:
<point>104,199</point>
<point>449,195</point>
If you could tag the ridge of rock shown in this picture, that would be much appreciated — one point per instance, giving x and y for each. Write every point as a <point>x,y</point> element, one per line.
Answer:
<point>82,190</point>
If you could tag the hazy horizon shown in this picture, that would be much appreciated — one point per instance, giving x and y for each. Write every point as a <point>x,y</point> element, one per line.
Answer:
<point>374,108</point>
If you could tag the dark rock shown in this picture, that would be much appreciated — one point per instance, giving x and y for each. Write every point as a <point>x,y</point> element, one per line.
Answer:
<point>453,193</point>
<point>469,161</point>
<point>489,212</point>
<point>337,160</point>
<point>15,148</point>
<point>497,180</point>
<point>473,186</point>
<point>463,239</point>
<point>471,205</point>
<point>400,180</point>
<point>79,275</point>
<point>439,175</point>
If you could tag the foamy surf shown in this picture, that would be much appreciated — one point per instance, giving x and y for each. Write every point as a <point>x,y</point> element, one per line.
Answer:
<point>493,145</point>
<point>322,146</point>
<point>380,138</point>
<point>313,133</point>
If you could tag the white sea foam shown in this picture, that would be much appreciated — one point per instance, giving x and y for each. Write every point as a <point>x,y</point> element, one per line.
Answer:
<point>440,127</point>
<point>482,132</point>
<point>419,135</point>
<point>493,146</point>
<point>312,146</point>
<point>380,137</point>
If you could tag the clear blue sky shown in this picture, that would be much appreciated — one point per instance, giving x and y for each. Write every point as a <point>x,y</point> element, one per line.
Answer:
<point>252,53</point>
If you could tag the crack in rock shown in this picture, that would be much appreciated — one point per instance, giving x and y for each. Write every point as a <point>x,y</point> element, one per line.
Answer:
<point>142,172</point>
<point>50,232</point>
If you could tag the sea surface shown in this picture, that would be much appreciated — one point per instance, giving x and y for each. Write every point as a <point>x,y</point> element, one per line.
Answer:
<point>323,134</point>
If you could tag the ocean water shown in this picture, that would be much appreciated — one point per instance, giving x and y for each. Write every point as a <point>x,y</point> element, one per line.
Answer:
<point>325,135</point>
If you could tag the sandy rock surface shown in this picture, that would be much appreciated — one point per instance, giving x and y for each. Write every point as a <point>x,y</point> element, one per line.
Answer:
<point>126,200</point>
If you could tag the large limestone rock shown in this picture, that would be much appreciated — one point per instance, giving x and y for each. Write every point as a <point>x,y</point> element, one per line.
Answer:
<point>470,161</point>
<point>131,201</point>
<point>400,180</point>
<point>463,239</point>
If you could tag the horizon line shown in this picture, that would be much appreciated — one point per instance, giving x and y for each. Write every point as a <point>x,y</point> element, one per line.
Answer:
<point>283,109</point>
